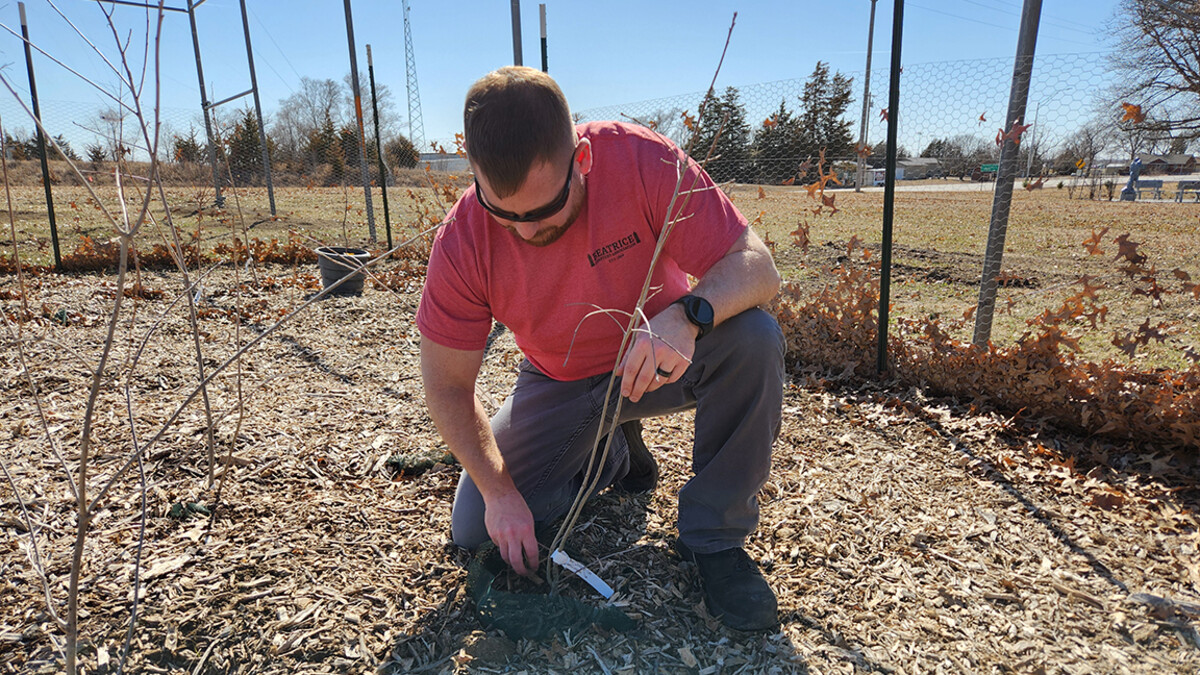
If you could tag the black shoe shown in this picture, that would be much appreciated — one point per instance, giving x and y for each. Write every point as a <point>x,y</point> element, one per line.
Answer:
<point>734,590</point>
<point>643,470</point>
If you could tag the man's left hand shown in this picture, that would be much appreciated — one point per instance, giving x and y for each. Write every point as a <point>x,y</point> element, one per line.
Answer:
<point>665,345</point>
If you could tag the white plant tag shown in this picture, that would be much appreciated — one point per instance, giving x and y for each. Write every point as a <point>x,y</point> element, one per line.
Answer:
<point>582,572</point>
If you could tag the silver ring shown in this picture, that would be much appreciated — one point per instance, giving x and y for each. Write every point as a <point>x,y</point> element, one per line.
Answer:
<point>661,372</point>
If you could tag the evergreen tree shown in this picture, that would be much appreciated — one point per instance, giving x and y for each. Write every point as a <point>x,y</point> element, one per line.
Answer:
<point>348,140</point>
<point>183,149</point>
<point>31,150</point>
<point>400,152</point>
<point>940,147</point>
<point>776,147</point>
<point>731,153</point>
<point>823,102</point>
<point>64,149</point>
<point>878,156</point>
<point>322,147</point>
<point>245,149</point>
<point>95,154</point>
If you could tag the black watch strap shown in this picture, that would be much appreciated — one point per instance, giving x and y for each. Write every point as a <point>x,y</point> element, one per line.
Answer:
<point>699,311</point>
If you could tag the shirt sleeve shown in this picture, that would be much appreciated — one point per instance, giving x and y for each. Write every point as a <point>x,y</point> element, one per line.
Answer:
<point>453,311</point>
<point>706,221</point>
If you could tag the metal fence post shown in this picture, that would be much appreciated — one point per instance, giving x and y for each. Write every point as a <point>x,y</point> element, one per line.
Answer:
<point>516,30</point>
<point>262,131</point>
<point>1006,176</point>
<point>41,140</point>
<point>362,135</point>
<point>864,124</point>
<point>208,130</point>
<point>889,188</point>
<point>542,15</point>
<point>383,172</point>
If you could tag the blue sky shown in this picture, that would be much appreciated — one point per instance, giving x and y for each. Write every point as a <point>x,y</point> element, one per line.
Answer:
<point>602,53</point>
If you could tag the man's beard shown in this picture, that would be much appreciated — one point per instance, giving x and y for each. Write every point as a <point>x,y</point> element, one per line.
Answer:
<point>549,235</point>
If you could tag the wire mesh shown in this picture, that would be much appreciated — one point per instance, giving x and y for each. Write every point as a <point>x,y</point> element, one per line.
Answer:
<point>1074,151</point>
<point>949,118</point>
<point>1078,139</point>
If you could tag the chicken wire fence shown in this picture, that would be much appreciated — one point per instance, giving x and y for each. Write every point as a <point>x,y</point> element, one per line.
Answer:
<point>315,178</point>
<point>950,120</point>
<point>1079,138</point>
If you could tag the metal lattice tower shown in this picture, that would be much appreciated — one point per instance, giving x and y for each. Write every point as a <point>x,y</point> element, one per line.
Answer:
<point>416,128</point>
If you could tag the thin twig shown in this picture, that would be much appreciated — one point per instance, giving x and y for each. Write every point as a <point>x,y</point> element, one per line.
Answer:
<point>38,569</point>
<point>37,402</point>
<point>126,231</point>
<point>85,38</point>
<point>12,226</point>
<point>64,66</point>
<point>592,476</point>
<point>237,331</point>
<point>317,297</point>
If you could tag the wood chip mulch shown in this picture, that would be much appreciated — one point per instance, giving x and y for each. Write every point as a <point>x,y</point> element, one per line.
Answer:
<point>903,535</point>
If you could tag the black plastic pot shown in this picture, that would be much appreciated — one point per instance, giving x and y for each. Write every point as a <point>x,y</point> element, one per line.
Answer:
<point>336,262</point>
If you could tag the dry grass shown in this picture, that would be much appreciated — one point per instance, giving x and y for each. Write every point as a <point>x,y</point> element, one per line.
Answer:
<point>940,238</point>
<point>318,214</point>
<point>938,249</point>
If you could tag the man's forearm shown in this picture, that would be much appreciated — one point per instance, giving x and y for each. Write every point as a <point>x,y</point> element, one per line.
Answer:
<point>739,281</point>
<point>471,443</point>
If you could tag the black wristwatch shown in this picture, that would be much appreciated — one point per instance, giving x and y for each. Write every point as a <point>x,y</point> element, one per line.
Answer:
<point>699,312</point>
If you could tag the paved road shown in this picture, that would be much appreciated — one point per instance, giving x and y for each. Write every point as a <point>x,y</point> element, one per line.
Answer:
<point>954,185</point>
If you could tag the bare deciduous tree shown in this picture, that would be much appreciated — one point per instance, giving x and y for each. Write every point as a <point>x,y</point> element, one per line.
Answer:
<point>305,112</point>
<point>1158,57</point>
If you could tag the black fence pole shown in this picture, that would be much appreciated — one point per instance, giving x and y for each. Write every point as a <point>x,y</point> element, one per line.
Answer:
<point>889,188</point>
<point>262,131</point>
<point>1006,175</point>
<point>383,174</point>
<point>218,199</point>
<point>356,87</point>
<point>542,12</point>
<point>41,139</point>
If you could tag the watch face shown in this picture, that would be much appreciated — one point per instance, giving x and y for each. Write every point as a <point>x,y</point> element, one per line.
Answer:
<point>700,310</point>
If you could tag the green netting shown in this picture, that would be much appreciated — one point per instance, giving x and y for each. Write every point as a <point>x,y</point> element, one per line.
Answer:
<point>527,615</point>
<point>418,462</point>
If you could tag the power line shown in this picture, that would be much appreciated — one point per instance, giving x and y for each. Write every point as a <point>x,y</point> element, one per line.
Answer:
<point>1045,16</point>
<point>986,23</point>
<point>280,49</point>
<point>268,62</point>
<point>963,18</point>
<point>1045,19</point>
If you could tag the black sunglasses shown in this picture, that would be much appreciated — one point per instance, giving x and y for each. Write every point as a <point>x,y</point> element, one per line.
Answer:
<point>540,213</point>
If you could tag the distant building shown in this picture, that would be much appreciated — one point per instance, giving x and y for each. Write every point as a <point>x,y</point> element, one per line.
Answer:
<point>1181,164</point>
<point>916,168</point>
<point>1167,164</point>
<point>443,161</point>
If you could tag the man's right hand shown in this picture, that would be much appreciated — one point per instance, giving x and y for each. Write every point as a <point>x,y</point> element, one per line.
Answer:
<point>449,377</point>
<point>510,525</point>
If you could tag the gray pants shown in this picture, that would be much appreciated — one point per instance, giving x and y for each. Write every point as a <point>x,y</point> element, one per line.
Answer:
<point>546,428</point>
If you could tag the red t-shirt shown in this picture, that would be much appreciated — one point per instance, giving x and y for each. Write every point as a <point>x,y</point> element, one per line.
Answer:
<point>479,271</point>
